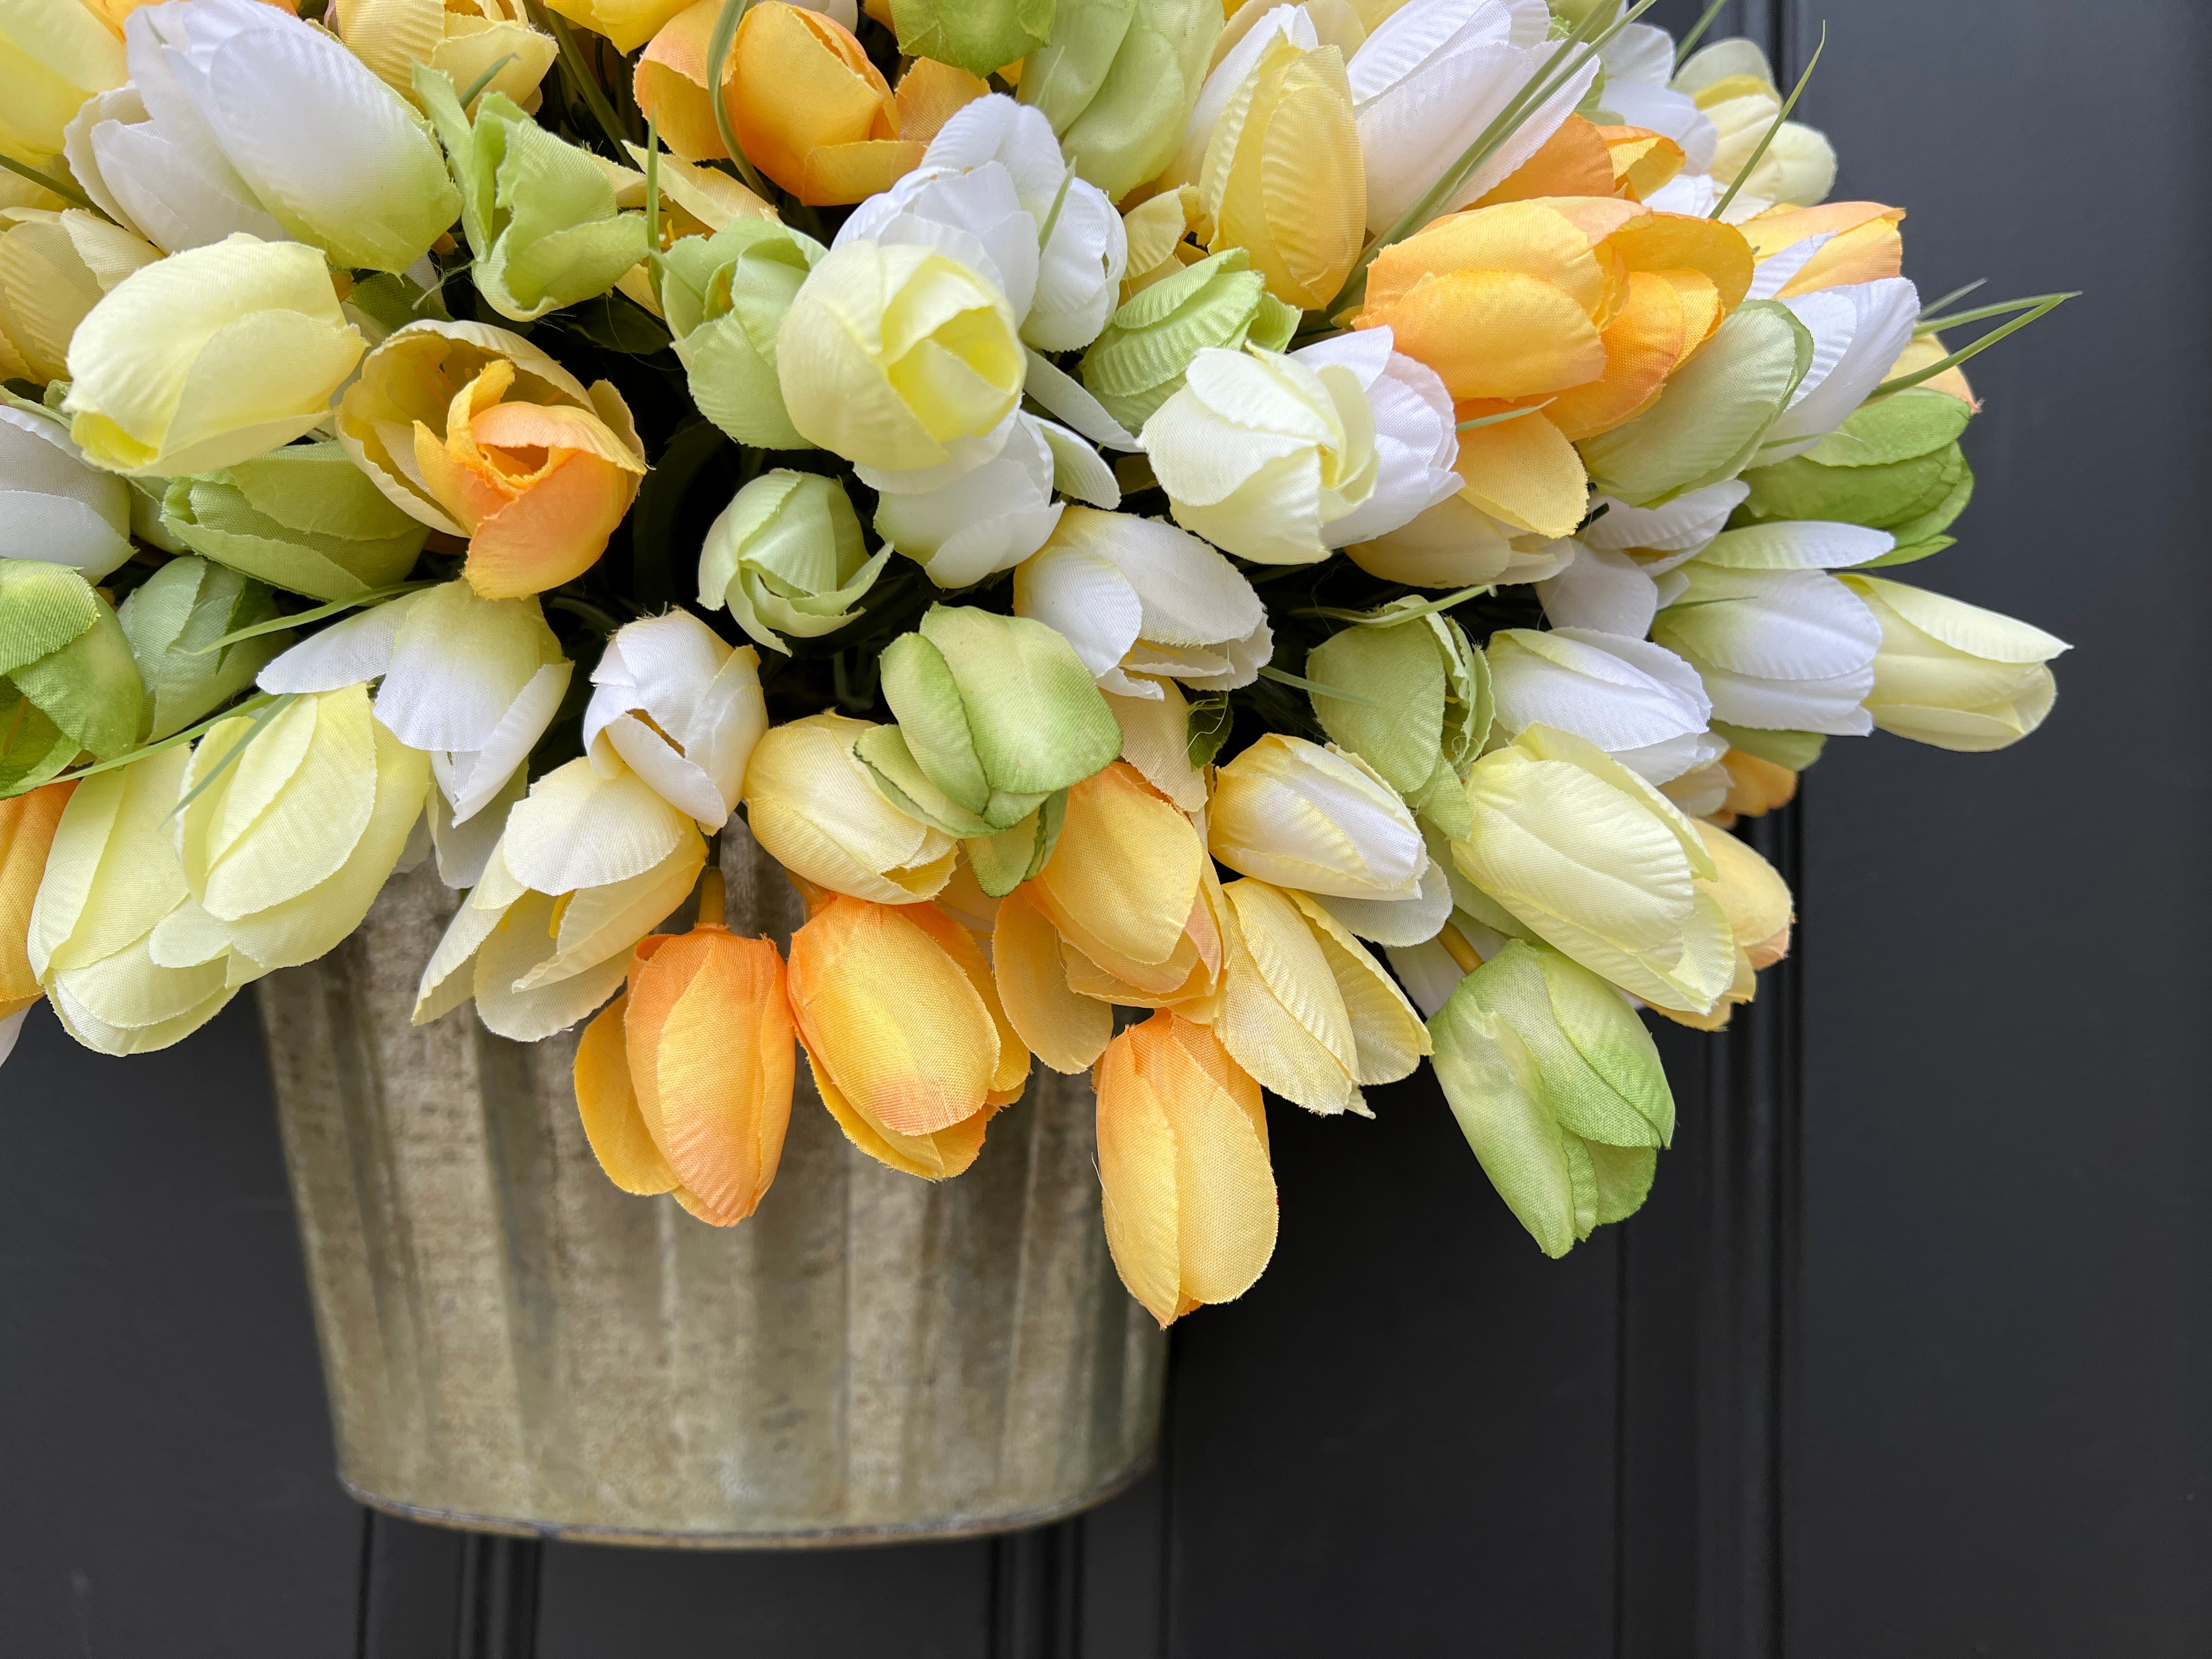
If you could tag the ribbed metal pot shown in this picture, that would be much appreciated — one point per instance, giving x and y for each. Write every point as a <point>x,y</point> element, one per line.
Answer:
<point>512,1343</point>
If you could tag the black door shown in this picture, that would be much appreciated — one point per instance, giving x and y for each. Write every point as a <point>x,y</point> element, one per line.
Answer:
<point>1907,1355</point>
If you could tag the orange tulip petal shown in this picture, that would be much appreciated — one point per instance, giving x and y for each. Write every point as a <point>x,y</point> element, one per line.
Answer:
<point>1643,345</point>
<point>1681,241</point>
<point>553,532</point>
<point>724,1068</point>
<point>936,1156</point>
<point>1642,160</point>
<point>26,836</point>
<point>1013,1074</point>
<point>670,84</point>
<point>930,94</point>
<point>608,1105</point>
<point>837,174</point>
<point>1124,873</point>
<point>1497,333</point>
<point>1525,472</point>
<point>1065,1031</point>
<point>1575,161</point>
<point>798,82</point>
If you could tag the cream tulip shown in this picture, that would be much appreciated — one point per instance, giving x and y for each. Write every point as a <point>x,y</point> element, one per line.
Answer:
<point>1317,819</point>
<point>54,268</point>
<point>54,54</point>
<point>988,518</point>
<point>816,810</point>
<point>681,708</point>
<point>1952,674</point>
<point>1638,701</point>
<point>464,41</point>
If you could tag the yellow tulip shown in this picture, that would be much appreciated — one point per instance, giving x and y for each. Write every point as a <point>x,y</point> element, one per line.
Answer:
<point>509,449</point>
<point>1863,245</point>
<point>54,54</point>
<point>810,110</point>
<point>1576,306</point>
<point>1952,675</point>
<point>463,40</point>
<point>1572,846</point>
<point>208,358</point>
<point>1283,177</point>
<point>816,809</point>
<point>628,23</point>
<point>684,1081</point>
<point>1305,1009</point>
<point>1188,1191</point>
<point>1757,903</point>
<point>54,268</point>
<point>902,1028</point>
<point>1294,813</point>
<point>899,358</point>
<point>26,832</point>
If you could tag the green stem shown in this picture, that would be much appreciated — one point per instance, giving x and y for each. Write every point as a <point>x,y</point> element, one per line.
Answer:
<point>476,86</point>
<point>261,699</point>
<point>68,192</point>
<point>1930,325</point>
<point>1904,382</point>
<point>580,74</point>
<point>1504,415</point>
<point>268,712</point>
<point>278,624</point>
<point>1780,115</point>
<point>1316,688</point>
<point>1697,32</point>
<point>1959,292</point>
<point>717,58</point>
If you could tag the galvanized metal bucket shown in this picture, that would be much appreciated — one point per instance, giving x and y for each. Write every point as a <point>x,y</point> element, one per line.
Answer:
<point>511,1343</point>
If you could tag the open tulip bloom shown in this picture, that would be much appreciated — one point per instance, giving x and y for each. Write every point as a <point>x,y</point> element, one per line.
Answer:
<point>1236,555</point>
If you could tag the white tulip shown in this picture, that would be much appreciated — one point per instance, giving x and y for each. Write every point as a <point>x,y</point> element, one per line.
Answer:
<point>53,505</point>
<point>1431,77</point>
<point>474,681</point>
<point>1640,62</point>
<point>1139,598</point>
<point>239,117</point>
<point>983,519</point>
<point>1677,531</point>
<point>1455,544</point>
<point>1416,431</point>
<point>683,708</point>
<point>1858,331</point>
<point>1638,701</point>
<point>1791,650</point>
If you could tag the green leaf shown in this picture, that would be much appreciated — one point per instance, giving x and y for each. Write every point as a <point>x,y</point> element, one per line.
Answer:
<point>1037,720</point>
<point>919,686</point>
<point>977,35</point>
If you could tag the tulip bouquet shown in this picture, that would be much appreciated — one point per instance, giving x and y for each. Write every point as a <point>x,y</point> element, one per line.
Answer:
<point>1234,549</point>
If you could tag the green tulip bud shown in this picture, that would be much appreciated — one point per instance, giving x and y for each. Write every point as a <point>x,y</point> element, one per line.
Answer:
<point>996,714</point>
<point>67,681</point>
<point>979,35</point>
<point>786,557</point>
<point>171,619</point>
<point>1895,465</point>
<point>725,296</point>
<point>1558,1088</point>
<point>1423,706</point>
<point>539,213</point>
<point>1118,80</point>
<point>303,518</point>
<point>1137,363</point>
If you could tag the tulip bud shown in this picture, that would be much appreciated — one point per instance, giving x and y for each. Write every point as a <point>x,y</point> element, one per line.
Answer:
<point>978,35</point>
<point>1894,465</point>
<point>725,296</point>
<point>1734,86</point>
<point>53,56</point>
<point>1189,1193</point>
<point>253,329</point>
<point>111,898</point>
<point>508,448</point>
<point>1594,861</point>
<point>1558,1088</point>
<point>814,807</point>
<point>628,23</point>
<point>263,124</point>
<point>1455,544</point>
<point>539,214</point>
<point>1751,894</point>
<point>810,110</point>
<point>52,505</point>
<point>67,682</point>
<point>472,681</point>
<point>304,813</point>
<point>904,1031</point>
<point>930,390</point>
<point>588,864</point>
<point>1305,1009</point>
<point>1857,333</point>
<point>1136,597</point>
<point>995,713</point>
<point>1137,363</point>
<point>684,1082</point>
<point>990,518</point>
<point>27,833</point>
<point>1297,815</point>
<point>1117,81</point>
<point>1283,177</point>
<point>303,518</point>
<point>786,557</point>
<point>463,43</point>
<point>1419,708</point>
<point>54,268</point>
<point>174,616</point>
<point>681,708</point>
<point>1952,674</point>
<point>1637,700</point>
<point>672,78</point>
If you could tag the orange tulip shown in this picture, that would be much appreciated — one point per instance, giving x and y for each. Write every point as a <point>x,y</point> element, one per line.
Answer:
<point>26,832</point>
<point>1578,307</point>
<point>902,1024</point>
<point>810,110</point>
<point>1864,245</point>
<point>1756,786</point>
<point>684,1082</point>
<point>1190,1193</point>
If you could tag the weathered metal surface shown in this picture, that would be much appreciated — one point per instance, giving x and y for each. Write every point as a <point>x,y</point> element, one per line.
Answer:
<point>512,1343</point>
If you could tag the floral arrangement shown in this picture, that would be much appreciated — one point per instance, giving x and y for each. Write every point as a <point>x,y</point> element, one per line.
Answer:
<point>1231,549</point>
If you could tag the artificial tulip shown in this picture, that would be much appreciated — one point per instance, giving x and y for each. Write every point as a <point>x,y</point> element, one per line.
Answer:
<point>1732,85</point>
<point>1138,360</point>
<point>724,296</point>
<point>54,268</point>
<point>1804,250</point>
<point>27,823</point>
<point>303,518</point>
<point>472,681</point>
<point>1638,701</point>
<point>172,620</point>
<point>1189,1193</point>
<point>902,1028</point>
<point>54,54</point>
<point>52,505</point>
<point>1117,79</point>
<point>253,331</point>
<point>509,448</point>
<point>261,124</point>
<point>464,42</point>
<point>990,518</point>
<point>1857,332</point>
<point>814,808</point>
<point>810,110</point>
<point>684,1081</point>
<point>1319,820</point>
<point>1894,464</point>
<point>628,23</point>
<point>1952,674</point>
<point>683,709</point>
<point>786,558</point>
<point>1639,62</point>
<point>978,35</point>
<point>68,684</point>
